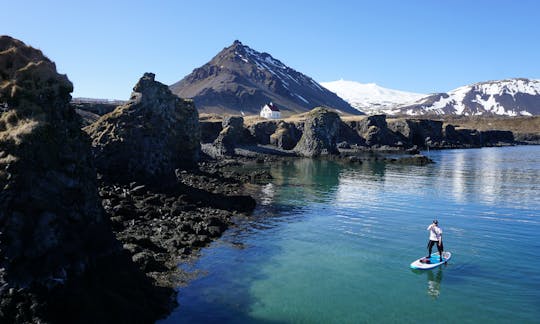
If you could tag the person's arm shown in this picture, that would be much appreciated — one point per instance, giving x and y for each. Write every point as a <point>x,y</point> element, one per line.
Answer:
<point>429,227</point>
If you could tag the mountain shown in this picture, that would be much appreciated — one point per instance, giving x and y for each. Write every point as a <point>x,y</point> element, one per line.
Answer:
<point>239,79</point>
<point>511,97</point>
<point>369,97</point>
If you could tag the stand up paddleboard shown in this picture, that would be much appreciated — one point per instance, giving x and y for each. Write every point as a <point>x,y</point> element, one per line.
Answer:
<point>432,262</point>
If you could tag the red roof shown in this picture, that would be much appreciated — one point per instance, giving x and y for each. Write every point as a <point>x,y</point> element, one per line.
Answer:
<point>272,107</point>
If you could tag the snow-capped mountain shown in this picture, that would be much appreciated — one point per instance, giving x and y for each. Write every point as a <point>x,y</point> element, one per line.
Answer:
<point>511,97</point>
<point>370,97</point>
<point>240,79</point>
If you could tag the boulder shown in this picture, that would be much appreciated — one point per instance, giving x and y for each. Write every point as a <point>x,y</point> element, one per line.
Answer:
<point>419,132</point>
<point>321,130</point>
<point>210,130</point>
<point>286,136</point>
<point>349,135</point>
<point>149,137</point>
<point>461,137</point>
<point>497,137</point>
<point>263,130</point>
<point>374,130</point>
<point>51,221</point>
<point>232,134</point>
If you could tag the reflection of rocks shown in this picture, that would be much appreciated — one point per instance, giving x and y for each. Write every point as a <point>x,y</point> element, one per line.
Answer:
<point>321,130</point>
<point>417,159</point>
<point>150,136</point>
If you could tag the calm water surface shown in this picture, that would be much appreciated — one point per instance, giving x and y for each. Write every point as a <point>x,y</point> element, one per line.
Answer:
<point>332,243</point>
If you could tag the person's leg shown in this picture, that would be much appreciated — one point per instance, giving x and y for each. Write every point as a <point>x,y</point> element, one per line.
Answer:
<point>440,249</point>
<point>429,246</point>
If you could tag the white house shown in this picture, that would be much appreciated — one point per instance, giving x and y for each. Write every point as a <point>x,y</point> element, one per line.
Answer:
<point>270,111</point>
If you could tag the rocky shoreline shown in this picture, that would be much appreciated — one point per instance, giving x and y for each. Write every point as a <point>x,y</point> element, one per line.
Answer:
<point>94,221</point>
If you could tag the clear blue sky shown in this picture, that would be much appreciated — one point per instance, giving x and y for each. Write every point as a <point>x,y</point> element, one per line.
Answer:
<point>421,46</point>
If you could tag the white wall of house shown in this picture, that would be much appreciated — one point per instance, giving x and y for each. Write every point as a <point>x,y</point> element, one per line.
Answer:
<point>266,112</point>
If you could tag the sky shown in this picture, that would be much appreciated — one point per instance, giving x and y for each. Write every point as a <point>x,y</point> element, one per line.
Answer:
<point>421,46</point>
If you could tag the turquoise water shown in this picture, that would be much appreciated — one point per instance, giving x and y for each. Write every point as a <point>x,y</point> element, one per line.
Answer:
<point>332,243</point>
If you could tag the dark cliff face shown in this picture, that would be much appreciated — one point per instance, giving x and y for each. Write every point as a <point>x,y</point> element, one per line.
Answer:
<point>321,130</point>
<point>51,221</point>
<point>240,79</point>
<point>150,136</point>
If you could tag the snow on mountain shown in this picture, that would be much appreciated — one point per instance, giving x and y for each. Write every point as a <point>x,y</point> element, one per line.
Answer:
<point>370,97</point>
<point>511,97</point>
<point>241,79</point>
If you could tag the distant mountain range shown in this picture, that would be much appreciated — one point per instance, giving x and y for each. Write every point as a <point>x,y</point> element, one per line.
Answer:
<point>510,97</point>
<point>240,79</point>
<point>370,97</point>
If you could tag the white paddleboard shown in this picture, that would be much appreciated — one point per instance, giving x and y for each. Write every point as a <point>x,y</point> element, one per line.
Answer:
<point>433,262</point>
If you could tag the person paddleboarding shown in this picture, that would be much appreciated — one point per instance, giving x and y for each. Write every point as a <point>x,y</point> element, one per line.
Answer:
<point>435,237</point>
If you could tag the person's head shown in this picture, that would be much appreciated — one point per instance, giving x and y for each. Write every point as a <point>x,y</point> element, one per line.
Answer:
<point>436,222</point>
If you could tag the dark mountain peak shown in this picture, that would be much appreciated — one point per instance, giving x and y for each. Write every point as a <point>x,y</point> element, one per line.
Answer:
<point>241,79</point>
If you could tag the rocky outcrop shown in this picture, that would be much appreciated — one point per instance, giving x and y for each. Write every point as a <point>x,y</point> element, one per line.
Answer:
<point>149,137</point>
<point>262,131</point>
<point>461,137</point>
<point>286,136</point>
<point>497,137</point>
<point>349,136</point>
<point>321,130</point>
<point>55,240</point>
<point>375,131</point>
<point>51,222</point>
<point>419,132</point>
<point>210,130</point>
<point>232,134</point>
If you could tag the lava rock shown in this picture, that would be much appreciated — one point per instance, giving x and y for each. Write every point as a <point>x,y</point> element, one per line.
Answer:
<point>321,130</point>
<point>147,138</point>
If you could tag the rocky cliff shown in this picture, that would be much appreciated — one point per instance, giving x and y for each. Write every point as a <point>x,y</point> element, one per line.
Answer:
<point>59,261</point>
<point>149,137</point>
<point>51,220</point>
<point>321,130</point>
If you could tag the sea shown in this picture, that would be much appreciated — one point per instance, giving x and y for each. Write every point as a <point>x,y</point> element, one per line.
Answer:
<point>332,242</point>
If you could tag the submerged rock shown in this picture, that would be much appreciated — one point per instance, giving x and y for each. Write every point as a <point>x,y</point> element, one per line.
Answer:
<point>321,130</point>
<point>149,137</point>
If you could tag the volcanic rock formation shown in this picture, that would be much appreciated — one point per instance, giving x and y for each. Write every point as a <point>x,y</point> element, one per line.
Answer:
<point>321,130</point>
<point>149,137</point>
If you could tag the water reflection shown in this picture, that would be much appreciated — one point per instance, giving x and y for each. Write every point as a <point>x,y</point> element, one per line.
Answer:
<point>487,175</point>
<point>434,278</point>
<point>317,178</point>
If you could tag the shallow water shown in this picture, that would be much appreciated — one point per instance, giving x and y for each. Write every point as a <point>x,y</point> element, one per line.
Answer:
<point>332,243</point>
